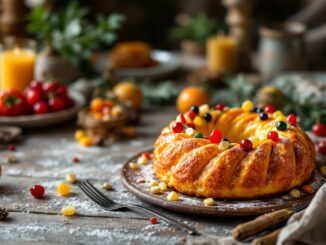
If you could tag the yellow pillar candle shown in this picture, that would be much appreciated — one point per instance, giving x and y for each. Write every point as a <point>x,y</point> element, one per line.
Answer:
<point>221,53</point>
<point>17,68</point>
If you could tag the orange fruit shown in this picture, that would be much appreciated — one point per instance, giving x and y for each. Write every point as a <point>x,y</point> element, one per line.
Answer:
<point>190,96</point>
<point>97,105</point>
<point>129,91</point>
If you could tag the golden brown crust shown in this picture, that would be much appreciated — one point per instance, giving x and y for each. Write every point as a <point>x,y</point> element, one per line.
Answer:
<point>196,167</point>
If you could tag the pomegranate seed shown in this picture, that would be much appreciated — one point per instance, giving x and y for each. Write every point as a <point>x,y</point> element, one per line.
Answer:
<point>270,109</point>
<point>147,155</point>
<point>153,220</point>
<point>190,125</point>
<point>177,127</point>
<point>319,129</point>
<point>292,119</point>
<point>246,145</point>
<point>220,107</point>
<point>216,136</point>
<point>322,147</point>
<point>308,189</point>
<point>183,119</point>
<point>273,135</point>
<point>75,159</point>
<point>37,191</point>
<point>11,147</point>
<point>191,114</point>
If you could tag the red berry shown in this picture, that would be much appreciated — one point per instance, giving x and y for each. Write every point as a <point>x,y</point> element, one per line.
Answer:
<point>38,85</point>
<point>183,119</point>
<point>37,191</point>
<point>220,107</point>
<point>11,147</point>
<point>190,125</point>
<point>177,127</point>
<point>50,87</point>
<point>57,104</point>
<point>147,155</point>
<point>319,129</point>
<point>75,159</point>
<point>292,119</point>
<point>62,90</point>
<point>40,108</point>
<point>216,136</point>
<point>246,145</point>
<point>322,147</point>
<point>33,96</point>
<point>270,109</point>
<point>273,135</point>
<point>191,114</point>
<point>69,102</point>
<point>153,220</point>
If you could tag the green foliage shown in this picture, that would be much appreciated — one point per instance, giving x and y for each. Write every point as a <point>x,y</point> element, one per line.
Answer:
<point>70,34</point>
<point>159,94</point>
<point>197,29</point>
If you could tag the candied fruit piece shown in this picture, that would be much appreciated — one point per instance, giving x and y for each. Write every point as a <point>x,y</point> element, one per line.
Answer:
<point>86,141</point>
<point>203,109</point>
<point>323,170</point>
<point>247,105</point>
<point>68,211</point>
<point>142,160</point>
<point>190,131</point>
<point>209,201</point>
<point>79,134</point>
<point>223,145</point>
<point>173,196</point>
<point>107,186</point>
<point>155,189</point>
<point>133,166</point>
<point>63,189</point>
<point>71,178</point>
<point>295,193</point>
<point>153,183</point>
<point>163,186</point>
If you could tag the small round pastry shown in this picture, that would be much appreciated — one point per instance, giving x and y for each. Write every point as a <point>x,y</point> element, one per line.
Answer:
<point>239,153</point>
<point>131,55</point>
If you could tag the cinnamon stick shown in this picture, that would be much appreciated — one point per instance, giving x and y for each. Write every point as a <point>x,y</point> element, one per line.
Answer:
<point>259,224</point>
<point>269,239</point>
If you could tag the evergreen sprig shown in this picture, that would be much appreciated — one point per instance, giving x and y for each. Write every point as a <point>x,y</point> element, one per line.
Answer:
<point>69,33</point>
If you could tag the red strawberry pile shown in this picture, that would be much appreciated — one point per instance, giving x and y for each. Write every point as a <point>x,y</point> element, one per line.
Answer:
<point>39,98</point>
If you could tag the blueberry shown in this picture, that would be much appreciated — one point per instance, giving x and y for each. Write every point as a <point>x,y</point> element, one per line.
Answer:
<point>263,116</point>
<point>282,126</point>
<point>207,117</point>
<point>194,109</point>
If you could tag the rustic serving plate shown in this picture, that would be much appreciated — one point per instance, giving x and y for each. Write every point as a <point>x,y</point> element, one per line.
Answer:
<point>35,121</point>
<point>168,63</point>
<point>136,181</point>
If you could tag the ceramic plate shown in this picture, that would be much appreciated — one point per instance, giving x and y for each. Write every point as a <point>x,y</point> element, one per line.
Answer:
<point>168,63</point>
<point>34,121</point>
<point>132,180</point>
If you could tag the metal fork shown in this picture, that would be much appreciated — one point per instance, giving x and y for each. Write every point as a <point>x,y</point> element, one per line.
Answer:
<point>107,204</point>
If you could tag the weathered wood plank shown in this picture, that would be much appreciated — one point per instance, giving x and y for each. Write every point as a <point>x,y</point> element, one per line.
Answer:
<point>45,158</point>
<point>57,229</point>
<point>48,152</point>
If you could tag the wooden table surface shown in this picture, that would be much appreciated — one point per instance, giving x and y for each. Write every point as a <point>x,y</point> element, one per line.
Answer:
<point>44,157</point>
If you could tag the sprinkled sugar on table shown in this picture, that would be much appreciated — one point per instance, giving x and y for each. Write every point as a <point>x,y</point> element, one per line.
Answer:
<point>45,157</point>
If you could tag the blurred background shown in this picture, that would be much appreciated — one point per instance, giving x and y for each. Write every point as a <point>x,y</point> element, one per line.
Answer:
<point>272,52</point>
